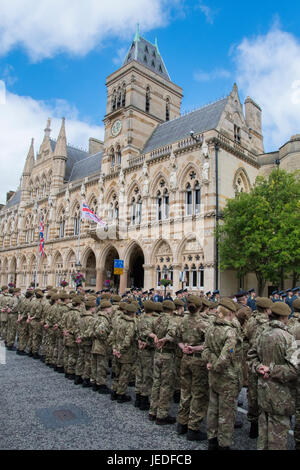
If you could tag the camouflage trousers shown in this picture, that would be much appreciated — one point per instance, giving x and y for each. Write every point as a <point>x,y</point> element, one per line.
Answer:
<point>30,335</point>
<point>163,384</point>
<point>3,330</point>
<point>80,361</point>
<point>297,416</point>
<point>99,366</point>
<point>272,431</point>
<point>138,373</point>
<point>222,407</point>
<point>178,358</point>
<point>51,340</point>
<point>194,392</point>
<point>123,375</point>
<point>253,410</point>
<point>44,345</point>
<point>23,335</point>
<point>145,360</point>
<point>70,358</point>
<point>37,333</point>
<point>87,359</point>
<point>58,353</point>
<point>12,329</point>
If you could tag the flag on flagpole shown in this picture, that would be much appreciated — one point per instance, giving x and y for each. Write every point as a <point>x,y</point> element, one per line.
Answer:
<point>42,241</point>
<point>87,213</point>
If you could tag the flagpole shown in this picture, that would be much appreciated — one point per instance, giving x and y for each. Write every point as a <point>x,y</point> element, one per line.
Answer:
<point>37,254</point>
<point>78,250</point>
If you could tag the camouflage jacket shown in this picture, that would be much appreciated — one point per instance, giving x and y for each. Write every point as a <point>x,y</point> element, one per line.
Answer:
<point>223,349</point>
<point>99,331</point>
<point>191,330</point>
<point>124,338</point>
<point>165,326</point>
<point>294,324</point>
<point>36,310</point>
<point>5,301</point>
<point>85,322</point>
<point>277,349</point>
<point>144,328</point>
<point>70,323</point>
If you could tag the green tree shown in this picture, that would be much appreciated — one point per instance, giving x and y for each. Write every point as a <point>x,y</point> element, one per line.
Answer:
<point>260,231</point>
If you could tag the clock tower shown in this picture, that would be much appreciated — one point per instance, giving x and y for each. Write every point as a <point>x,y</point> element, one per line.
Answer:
<point>140,95</point>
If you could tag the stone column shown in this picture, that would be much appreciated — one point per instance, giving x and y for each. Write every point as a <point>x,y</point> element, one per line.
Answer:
<point>176,283</point>
<point>99,279</point>
<point>148,276</point>
<point>123,281</point>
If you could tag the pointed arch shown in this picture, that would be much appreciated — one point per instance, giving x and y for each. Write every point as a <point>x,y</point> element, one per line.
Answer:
<point>184,174</point>
<point>241,181</point>
<point>160,175</point>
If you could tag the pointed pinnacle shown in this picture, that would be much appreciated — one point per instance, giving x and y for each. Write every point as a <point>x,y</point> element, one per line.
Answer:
<point>137,33</point>
<point>156,45</point>
<point>61,144</point>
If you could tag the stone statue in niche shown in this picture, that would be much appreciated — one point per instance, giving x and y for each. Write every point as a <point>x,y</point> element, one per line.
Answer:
<point>205,170</point>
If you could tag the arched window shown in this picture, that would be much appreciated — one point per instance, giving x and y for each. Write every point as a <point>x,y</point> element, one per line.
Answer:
<point>119,98</point>
<point>62,225</point>
<point>188,200</point>
<point>197,198</point>
<point>124,95</point>
<point>116,210</point>
<point>112,157</point>
<point>147,100</point>
<point>77,220</point>
<point>114,101</point>
<point>187,275</point>
<point>166,203</point>
<point>159,205</point>
<point>201,276</point>
<point>194,276</point>
<point>133,211</point>
<point>158,275</point>
<point>118,155</point>
<point>167,109</point>
<point>139,210</point>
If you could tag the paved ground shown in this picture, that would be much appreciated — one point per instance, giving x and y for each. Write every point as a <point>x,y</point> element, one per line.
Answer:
<point>40,409</point>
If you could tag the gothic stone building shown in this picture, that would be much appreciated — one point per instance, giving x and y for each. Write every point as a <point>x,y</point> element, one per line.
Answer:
<point>159,180</point>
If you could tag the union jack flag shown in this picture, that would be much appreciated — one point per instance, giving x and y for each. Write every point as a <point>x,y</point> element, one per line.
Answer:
<point>42,242</point>
<point>87,213</point>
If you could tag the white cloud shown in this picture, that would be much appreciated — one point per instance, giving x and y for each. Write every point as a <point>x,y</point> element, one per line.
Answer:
<point>22,118</point>
<point>268,70</point>
<point>204,76</point>
<point>47,27</point>
<point>208,12</point>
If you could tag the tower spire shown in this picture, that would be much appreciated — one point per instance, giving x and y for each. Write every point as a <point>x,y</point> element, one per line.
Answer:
<point>156,45</point>
<point>48,130</point>
<point>30,160</point>
<point>61,144</point>
<point>137,33</point>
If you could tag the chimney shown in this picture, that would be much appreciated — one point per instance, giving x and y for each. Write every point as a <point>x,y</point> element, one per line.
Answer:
<point>9,195</point>
<point>95,146</point>
<point>253,115</point>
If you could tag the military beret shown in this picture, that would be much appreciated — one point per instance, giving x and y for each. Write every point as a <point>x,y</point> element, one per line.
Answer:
<point>49,287</point>
<point>105,304</point>
<point>105,296</point>
<point>251,290</point>
<point>91,297</point>
<point>178,292</point>
<point>76,300</point>
<point>178,303</point>
<point>206,302</point>
<point>168,304</point>
<point>17,289</point>
<point>296,305</point>
<point>284,295</point>
<point>131,308</point>
<point>4,287</point>
<point>148,306</point>
<point>81,296</point>
<point>135,302</point>
<point>122,305</point>
<point>39,292</point>
<point>208,293</point>
<point>288,290</point>
<point>55,296</point>
<point>115,298</point>
<point>281,292</point>
<point>157,306</point>
<point>213,304</point>
<point>242,293</point>
<point>29,292</point>
<point>194,299</point>
<point>295,289</point>
<point>280,308</point>
<point>274,292</point>
<point>90,303</point>
<point>72,292</point>
<point>64,296</point>
<point>216,292</point>
<point>228,303</point>
<point>263,302</point>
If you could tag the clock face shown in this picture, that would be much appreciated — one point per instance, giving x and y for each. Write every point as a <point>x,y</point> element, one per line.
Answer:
<point>116,128</point>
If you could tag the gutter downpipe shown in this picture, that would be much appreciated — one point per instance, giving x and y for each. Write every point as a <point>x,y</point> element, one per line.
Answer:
<point>217,219</point>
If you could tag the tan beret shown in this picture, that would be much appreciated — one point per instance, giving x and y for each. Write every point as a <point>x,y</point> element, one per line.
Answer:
<point>148,306</point>
<point>131,308</point>
<point>296,305</point>
<point>263,302</point>
<point>55,296</point>
<point>205,302</point>
<point>158,307</point>
<point>63,296</point>
<point>228,303</point>
<point>105,296</point>
<point>281,308</point>
<point>17,289</point>
<point>178,303</point>
<point>194,299</point>
<point>39,292</point>
<point>169,305</point>
<point>90,303</point>
<point>213,304</point>
<point>122,305</point>
<point>4,287</point>
<point>49,287</point>
<point>105,304</point>
<point>115,298</point>
<point>76,300</point>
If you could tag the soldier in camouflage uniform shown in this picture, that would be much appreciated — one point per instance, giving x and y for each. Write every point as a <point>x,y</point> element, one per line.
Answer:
<point>297,415</point>
<point>274,359</point>
<point>3,312</point>
<point>84,339</point>
<point>194,374</point>
<point>223,351</point>
<point>22,325</point>
<point>254,326</point>
<point>51,326</point>
<point>243,314</point>
<point>123,342</point>
<point>35,318</point>
<point>212,312</point>
<point>100,331</point>
<point>46,335</point>
<point>164,336</point>
<point>12,319</point>
<point>70,325</point>
<point>145,356</point>
<point>178,316</point>
<point>294,322</point>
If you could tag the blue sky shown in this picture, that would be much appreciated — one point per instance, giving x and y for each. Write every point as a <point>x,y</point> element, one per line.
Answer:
<point>55,57</point>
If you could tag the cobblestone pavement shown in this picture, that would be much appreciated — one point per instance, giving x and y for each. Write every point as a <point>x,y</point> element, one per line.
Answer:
<point>40,409</point>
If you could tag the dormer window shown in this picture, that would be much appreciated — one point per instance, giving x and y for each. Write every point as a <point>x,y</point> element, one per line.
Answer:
<point>237,134</point>
<point>147,108</point>
<point>145,59</point>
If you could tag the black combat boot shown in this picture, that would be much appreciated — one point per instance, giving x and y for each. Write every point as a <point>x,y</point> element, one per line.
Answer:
<point>138,398</point>
<point>181,428</point>
<point>86,383</point>
<point>36,356</point>
<point>78,380</point>
<point>9,348</point>
<point>253,434</point>
<point>238,424</point>
<point>167,420</point>
<point>71,376</point>
<point>66,373</point>
<point>60,370</point>
<point>213,444</point>
<point>196,435</point>
<point>151,417</point>
<point>176,396</point>
<point>103,389</point>
<point>224,448</point>
<point>95,387</point>
<point>30,354</point>
<point>113,395</point>
<point>145,404</point>
<point>123,398</point>
<point>42,358</point>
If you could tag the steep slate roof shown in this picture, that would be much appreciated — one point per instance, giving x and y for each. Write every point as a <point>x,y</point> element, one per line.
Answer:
<point>86,167</point>
<point>201,120</point>
<point>14,200</point>
<point>148,55</point>
<point>74,156</point>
